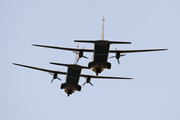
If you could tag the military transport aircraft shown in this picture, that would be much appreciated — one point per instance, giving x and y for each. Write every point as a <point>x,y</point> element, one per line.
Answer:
<point>72,76</point>
<point>100,51</point>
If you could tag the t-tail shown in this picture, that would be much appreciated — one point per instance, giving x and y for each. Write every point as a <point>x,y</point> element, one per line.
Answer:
<point>76,54</point>
<point>103,28</point>
<point>102,40</point>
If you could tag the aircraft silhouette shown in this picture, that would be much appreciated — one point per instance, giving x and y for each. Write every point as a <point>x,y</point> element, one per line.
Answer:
<point>72,76</point>
<point>100,52</point>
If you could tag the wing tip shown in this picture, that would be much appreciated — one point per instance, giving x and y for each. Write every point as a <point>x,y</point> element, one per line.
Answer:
<point>162,49</point>
<point>35,45</point>
<point>14,63</point>
<point>127,78</point>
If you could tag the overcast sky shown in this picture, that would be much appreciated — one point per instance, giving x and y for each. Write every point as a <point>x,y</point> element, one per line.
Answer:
<point>27,94</point>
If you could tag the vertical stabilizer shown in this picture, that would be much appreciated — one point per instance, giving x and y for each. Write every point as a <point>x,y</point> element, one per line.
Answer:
<point>76,53</point>
<point>103,28</point>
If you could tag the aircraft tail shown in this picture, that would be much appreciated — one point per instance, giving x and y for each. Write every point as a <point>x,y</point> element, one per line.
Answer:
<point>102,40</point>
<point>103,28</point>
<point>76,54</point>
<point>110,42</point>
<point>70,65</point>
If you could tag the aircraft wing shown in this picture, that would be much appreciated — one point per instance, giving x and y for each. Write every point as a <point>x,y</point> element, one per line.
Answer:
<point>65,48</point>
<point>104,77</point>
<point>41,69</point>
<point>132,51</point>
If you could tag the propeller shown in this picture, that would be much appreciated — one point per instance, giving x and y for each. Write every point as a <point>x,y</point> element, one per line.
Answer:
<point>80,55</point>
<point>54,76</point>
<point>117,56</point>
<point>88,80</point>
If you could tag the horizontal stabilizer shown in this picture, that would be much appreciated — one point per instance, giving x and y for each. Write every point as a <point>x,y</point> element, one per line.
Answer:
<point>68,65</point>
<point>110,42</point>
<point>119,42</point>
<point>85,41</point>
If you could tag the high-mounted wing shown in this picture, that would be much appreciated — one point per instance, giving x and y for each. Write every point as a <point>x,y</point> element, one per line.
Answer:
<point>65,48</point>
<point>132,51</point>
<point>104,77</point>
<point>41,69</point>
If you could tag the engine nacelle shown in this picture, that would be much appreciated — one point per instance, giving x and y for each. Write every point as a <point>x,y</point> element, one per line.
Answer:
<point>80,54</point>
<point>88,79</point>
<point>91,64</point>
<point>54,75</point>
<point>118,55</point>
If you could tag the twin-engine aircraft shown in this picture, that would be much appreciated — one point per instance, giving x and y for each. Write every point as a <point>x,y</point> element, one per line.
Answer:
<point>100,52</point>
<point>72,76</point>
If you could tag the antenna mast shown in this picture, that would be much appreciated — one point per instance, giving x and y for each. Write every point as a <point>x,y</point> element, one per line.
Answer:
<point>76,53</point>
<point>103,28</point>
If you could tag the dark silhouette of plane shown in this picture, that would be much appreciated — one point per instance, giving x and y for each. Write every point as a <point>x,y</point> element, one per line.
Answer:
<point>100,52</point>
<point>72,76</point>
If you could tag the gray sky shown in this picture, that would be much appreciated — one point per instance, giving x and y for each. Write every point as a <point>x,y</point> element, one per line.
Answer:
<point>28,94</point>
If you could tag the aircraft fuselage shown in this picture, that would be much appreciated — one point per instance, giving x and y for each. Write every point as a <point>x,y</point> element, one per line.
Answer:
<point>72,80</point>
<point>101,51</point>
<point>100,56</point>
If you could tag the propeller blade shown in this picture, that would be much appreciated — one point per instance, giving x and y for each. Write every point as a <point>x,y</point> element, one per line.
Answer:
<point>88,80</point>
<point>91,84</point>
<point>58,78</point>
<point>123,54</point>
<point>85,57</point>
<point>84,83</point>
<point>74,52</point>
<point>112,56</point>
<point>78,59</point>
<point>118,61</point>
<point>52,80</point>
<point>50,73</point>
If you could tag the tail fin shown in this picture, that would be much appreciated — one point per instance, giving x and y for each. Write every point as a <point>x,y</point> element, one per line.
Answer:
<point>76,54</point>
<point>103,28</point>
